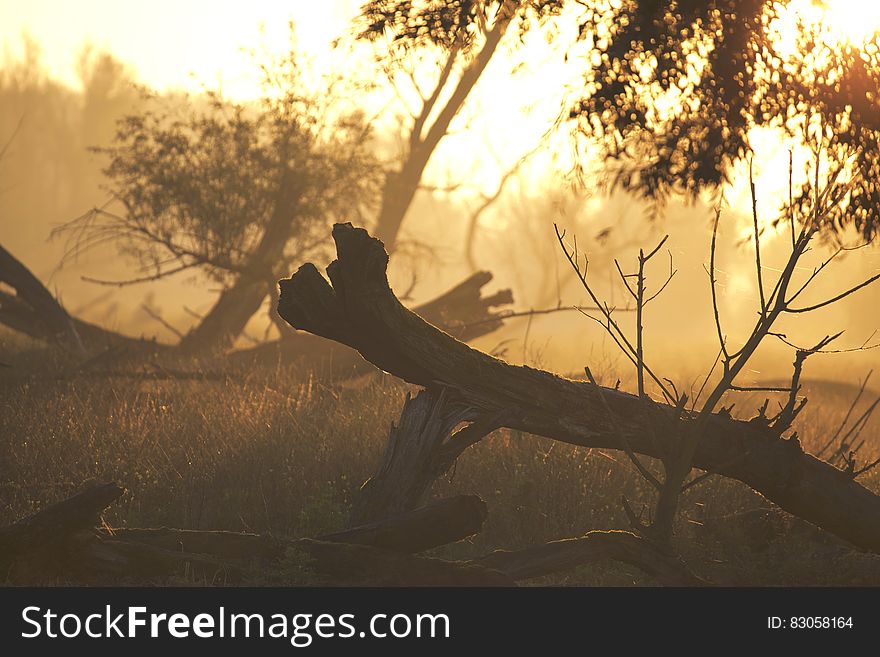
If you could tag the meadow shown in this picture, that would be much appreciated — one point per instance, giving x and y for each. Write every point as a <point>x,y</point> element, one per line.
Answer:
<point>279,451</point>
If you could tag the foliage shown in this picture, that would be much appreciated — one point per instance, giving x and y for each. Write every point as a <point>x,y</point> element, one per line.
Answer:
<point>675,89</point>
<point>200,183</point>
<point>672,90</point>
<point>444,23</point>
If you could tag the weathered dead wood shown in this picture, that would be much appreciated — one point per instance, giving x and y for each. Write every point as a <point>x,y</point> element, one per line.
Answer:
<point>34,311</point>
<point>32,299</point>
<point>462,311</point>
<point>570,553</point>
<point>438,523</point>
<point>412,459</point>
<point>44,540</point>
<point>63,543</point>
<point>358,308</point>
<point>226,545</point>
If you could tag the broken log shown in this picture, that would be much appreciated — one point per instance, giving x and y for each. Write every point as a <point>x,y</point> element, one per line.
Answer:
<point>43,542</point>
<point>411,460</point>
<point>34,311</point>
<point>357,308</point>
<point>67,542</point>
<point>462,311</point>
<point>435,524</point>
<point>34,304</point>
<point>347,564</point>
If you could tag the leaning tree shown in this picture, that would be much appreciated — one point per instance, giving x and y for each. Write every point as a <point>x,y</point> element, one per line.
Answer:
<point>236,192</point>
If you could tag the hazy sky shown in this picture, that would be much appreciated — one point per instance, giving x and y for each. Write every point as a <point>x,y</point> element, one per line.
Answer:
<point>169,41</point>
<point>188,43</point>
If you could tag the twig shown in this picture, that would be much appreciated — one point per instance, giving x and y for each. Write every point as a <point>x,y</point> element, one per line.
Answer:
<point>647,474</point>
<point>152,313</point>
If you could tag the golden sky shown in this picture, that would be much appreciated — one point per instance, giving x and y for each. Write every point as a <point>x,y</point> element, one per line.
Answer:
<point>167,42</point>
<point>186,44</point>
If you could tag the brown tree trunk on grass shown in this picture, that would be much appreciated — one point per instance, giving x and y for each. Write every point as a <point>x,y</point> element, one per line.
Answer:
<point>34,311</point>
<point>463,311</point>
<point>63,543</point>
<point>33,297</point>
<point>570,553</point>
<point>357,307</point>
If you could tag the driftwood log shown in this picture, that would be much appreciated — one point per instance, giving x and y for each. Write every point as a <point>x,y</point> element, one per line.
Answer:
<point>357,307</point>
<point>34,304</point>
<point>34,311</point>
<point>67,543</point>
<point>423,445</point>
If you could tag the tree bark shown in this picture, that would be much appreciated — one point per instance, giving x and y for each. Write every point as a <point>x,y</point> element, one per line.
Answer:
<point>236,305</point>
<point>462,311</point>
<point>357,307</point>
<point>62,542</point>
<point>34,311</point>
<point>415,530</point>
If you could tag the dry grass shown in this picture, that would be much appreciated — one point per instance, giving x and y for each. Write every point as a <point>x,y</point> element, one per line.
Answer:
<point>280,452</point>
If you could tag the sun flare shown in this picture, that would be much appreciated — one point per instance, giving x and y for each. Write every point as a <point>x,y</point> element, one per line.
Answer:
<point>852,22</point>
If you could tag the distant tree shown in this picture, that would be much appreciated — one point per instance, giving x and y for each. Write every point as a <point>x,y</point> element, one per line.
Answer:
<point>47,170</point>
<point>237,192</point>
<point>455,38</point>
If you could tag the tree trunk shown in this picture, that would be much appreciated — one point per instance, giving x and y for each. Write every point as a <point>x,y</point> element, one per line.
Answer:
<point>34,311</point>
<point>63,542</point>
<point>462,311</point>
<point>570,553</point>
<point>227,317</point>
<point>34,297</point>
<point>358,308</point>
<point>238,303</point>
<point>401,186</point>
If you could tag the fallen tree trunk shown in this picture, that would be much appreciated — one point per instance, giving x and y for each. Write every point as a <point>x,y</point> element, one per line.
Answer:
<point>34,311</point>
<point>33,297</point>
<point>357,308</point>
<point>61,543</point>
<point>434,524</point>
<point>412,459</point>
<point>462,311</point>
<point>44,538</point>
<point>347,564</point>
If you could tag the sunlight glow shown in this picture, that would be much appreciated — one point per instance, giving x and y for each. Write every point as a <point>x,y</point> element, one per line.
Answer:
<point>854,21</point>
<point>837,21</point>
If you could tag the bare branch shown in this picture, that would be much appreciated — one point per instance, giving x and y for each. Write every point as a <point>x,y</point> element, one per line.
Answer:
<point>757,242</point>
<point>835,299</point>
<point>624,441</point>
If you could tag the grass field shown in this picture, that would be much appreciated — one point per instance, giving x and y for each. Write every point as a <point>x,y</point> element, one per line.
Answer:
<point>278,451</point>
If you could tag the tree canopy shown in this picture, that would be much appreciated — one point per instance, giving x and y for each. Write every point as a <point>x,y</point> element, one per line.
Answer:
<point>672,90</point>
<point>201,183</point>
